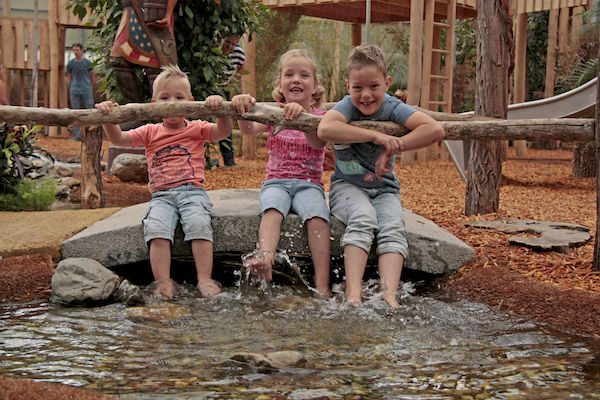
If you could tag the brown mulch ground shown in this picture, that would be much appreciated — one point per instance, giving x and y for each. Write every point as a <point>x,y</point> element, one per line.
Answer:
<point>560,289</point>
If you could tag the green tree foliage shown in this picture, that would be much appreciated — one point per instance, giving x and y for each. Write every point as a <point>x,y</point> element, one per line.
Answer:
<point>537,45</point>
<point>581,63</point>
<point>199,27</point>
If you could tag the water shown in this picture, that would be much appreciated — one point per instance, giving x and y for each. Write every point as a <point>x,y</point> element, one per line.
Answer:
<point>431,348</point>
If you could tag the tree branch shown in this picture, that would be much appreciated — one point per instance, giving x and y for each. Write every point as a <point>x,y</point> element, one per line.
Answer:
<point>463,128</point>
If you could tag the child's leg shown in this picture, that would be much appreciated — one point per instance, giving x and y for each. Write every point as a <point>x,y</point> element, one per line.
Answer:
<point>355,262</point>
<point>320,250</point>
<point>351,205</point>
<point>268,238</point>
<point>203,257</point>
<point>390,269</point>
<point>160,261</point>
<point>391,243</point>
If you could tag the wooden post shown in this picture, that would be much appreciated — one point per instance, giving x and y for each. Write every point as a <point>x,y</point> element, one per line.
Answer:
<point>520,74</point>
<point>596,261</point>
<point>415,63</point>
<point>563,29</point>
<point>494,66</point>
<point>91,172</point>
<point>356,34</point>
<point>551,53</point>
<point>55,53</point>
<point>249,86</point>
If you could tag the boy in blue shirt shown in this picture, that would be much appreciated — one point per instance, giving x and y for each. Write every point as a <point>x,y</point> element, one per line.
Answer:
<point>364,192</point>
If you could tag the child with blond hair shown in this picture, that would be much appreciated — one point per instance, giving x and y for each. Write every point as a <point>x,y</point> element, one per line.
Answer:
<point>294,170</point>
<point>175,154</point>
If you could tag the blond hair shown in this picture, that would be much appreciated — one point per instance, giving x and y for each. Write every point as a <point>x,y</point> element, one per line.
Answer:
<point>170,72</point>
<point>318,95</point>
<point>366,54</point>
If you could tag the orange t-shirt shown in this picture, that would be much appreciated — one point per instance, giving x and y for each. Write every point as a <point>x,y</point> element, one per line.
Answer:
<point>175,156</point>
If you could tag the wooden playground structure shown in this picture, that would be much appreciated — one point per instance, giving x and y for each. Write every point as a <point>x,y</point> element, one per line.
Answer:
<point>430,78</point>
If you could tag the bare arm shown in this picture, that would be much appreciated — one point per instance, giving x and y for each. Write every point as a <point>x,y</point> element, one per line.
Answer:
<point>424,131</point>
<point>223,127</point>
<point>113,132</point>
<point>243,103</point>
<point>334,128</point>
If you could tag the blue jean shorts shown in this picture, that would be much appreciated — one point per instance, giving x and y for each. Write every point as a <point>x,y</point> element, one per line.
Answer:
<point>187,204</point>
<point>307,199</point>
<point>369,213</point>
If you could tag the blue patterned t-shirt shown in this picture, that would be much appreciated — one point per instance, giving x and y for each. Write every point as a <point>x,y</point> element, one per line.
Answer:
<point>355,162</point>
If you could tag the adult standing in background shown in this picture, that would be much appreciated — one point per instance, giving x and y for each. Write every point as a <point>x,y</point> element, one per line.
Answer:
<point>82,81</point>
<point>237,58</point>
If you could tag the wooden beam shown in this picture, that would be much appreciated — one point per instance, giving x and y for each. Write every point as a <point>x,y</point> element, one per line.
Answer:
<point>356,34</point>
<point>567,129</point>
<point>551,53</point>
<point>249,86</point>
<point>55,53</point>
<point>520,72</point>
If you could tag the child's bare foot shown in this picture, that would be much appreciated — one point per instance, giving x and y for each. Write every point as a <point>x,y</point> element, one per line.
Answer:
<point>390,298</point>
<point>324,293</point>
<point>209,288</point>
<point>353,299</point>
<point>165,288</point>
<point>261,265</point>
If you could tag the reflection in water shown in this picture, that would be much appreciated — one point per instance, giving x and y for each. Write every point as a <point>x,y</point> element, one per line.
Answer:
<point>431,348</point>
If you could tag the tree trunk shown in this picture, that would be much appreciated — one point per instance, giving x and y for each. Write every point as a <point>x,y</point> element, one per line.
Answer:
<point>596,260</point>
<point>584,160</point>
<point>91,172</point>
<point>494,66</point>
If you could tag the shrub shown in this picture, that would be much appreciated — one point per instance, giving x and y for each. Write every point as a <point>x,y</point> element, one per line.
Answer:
<point>15,141</point>
<point>31,195</point>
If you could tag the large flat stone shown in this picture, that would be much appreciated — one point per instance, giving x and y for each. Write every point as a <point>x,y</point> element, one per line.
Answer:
<point>118,239</point>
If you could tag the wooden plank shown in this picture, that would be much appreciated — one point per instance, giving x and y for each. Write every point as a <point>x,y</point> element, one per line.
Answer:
<point>563,30</point>
<point>29,32</point>
<point>551,53</point>
<point>7,42</point>
<point>44,61</point>
<point>415,54</point>
<point>19,50</point>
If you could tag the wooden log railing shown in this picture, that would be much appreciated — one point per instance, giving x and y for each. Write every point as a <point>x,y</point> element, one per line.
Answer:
<point>457,127</point>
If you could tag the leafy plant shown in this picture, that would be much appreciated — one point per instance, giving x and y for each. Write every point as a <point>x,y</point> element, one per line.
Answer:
<point>15,141</point>
<point>31,195</point>
<point>199,27</point>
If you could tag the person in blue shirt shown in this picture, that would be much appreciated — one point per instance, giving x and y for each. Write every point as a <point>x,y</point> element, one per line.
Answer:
<point>82,81</point>
<point>364,192</point>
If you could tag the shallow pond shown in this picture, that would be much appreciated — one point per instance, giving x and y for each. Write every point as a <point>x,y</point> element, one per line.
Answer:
<point>431,348</point>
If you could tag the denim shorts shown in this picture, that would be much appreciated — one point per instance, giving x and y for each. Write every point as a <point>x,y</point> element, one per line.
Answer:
<point>369,214</point>
<point>187,204</point>
<point>307,199</point>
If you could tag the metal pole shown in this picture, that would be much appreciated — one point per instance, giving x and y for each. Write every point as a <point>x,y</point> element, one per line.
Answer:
<point>368,21</point>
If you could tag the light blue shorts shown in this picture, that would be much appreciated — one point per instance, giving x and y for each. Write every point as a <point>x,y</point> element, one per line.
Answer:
<point>369,213</point>
<point>307,199</point>
<point>187,204</point>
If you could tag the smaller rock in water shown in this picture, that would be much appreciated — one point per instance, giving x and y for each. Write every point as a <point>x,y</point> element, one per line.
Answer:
<point>81,280</point>
<point>158,312</point>
<point>273,360</point>
<point>129,294</point>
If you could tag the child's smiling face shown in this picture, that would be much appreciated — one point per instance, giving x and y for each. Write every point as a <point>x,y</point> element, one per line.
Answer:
<point>367,86</point>
<point>297,81</point>
<point>173,90</point>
